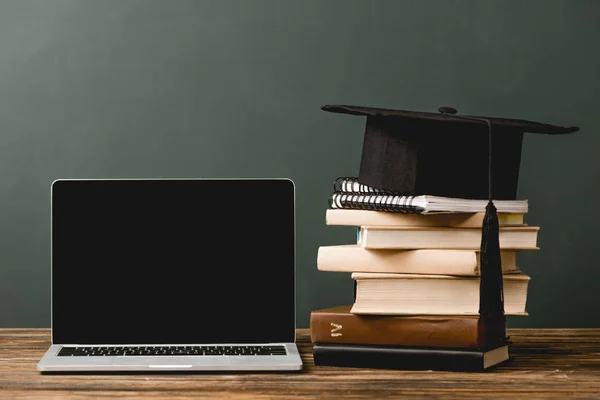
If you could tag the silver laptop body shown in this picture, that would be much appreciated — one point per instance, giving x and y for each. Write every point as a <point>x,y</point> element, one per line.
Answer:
<point>173,275</point>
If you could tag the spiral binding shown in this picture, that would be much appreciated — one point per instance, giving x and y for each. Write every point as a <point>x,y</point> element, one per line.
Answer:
<point>351,185</point>
<point>374,202</point>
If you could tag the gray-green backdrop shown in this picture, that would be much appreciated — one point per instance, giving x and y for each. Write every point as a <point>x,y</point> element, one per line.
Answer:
<point>223,88</point>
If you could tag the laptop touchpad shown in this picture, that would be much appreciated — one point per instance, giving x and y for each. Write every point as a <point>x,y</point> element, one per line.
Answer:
<point>173,361</point>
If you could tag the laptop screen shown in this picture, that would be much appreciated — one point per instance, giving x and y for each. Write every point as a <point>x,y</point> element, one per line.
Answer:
<point>174,261</point>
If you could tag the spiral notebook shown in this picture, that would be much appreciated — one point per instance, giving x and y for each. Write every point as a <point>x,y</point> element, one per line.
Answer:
<point>348,193</point>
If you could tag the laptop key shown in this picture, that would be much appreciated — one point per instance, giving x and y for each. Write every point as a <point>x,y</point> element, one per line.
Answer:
<point>103,351</point>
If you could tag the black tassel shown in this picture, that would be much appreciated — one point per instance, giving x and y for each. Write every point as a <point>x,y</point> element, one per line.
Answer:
<point>491,293</point>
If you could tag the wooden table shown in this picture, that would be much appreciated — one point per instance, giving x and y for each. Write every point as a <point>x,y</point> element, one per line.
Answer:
<point>545,363</point>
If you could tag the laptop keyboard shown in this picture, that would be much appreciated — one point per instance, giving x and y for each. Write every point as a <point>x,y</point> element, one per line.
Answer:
<point>86,351</point>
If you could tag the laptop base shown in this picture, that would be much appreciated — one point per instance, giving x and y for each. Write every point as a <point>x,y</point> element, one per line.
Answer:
<point>51,362</point>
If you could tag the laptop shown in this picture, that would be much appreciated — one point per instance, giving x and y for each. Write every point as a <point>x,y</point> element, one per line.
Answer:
<point>173,275</point>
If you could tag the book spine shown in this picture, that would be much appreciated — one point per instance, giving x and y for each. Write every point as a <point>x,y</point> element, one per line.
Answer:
<point>396,331</point>
<point>358,356</point>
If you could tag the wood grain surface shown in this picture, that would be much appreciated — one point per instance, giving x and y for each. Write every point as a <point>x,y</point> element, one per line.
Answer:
<point>545,363</point>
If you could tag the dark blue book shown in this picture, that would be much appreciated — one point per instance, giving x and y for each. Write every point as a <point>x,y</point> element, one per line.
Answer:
<point>407,358</point>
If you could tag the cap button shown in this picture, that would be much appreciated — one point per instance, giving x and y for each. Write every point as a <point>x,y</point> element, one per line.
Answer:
<point>447,110</point>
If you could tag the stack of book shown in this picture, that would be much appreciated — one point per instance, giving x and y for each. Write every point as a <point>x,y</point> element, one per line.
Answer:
<point>415,268</point>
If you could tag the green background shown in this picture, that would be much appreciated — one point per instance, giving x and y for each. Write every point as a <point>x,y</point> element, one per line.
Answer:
<point>127,88</point>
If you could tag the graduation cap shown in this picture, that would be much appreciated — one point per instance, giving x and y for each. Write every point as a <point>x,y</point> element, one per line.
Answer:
<point>451,155</point>
<point>441,154</point>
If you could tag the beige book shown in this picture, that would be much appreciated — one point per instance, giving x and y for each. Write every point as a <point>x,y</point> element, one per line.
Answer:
<point>408,294</point>
<point>351,217</point>
<point>382,237</point>
<point>354,258</point>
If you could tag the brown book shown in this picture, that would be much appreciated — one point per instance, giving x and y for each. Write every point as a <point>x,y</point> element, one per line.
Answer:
<point>339,325</point>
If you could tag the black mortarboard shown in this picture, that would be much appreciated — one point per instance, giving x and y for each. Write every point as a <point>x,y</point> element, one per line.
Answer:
<point>441,154</point>
<point>445,154</point>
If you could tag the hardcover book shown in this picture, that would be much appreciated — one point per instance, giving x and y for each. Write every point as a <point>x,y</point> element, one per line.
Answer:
<point>354,258</point>
<point>408,358</point>
<point>339,325</point>
<point>357,217</point>
<point>404,294</point>
<point>383,237</point>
